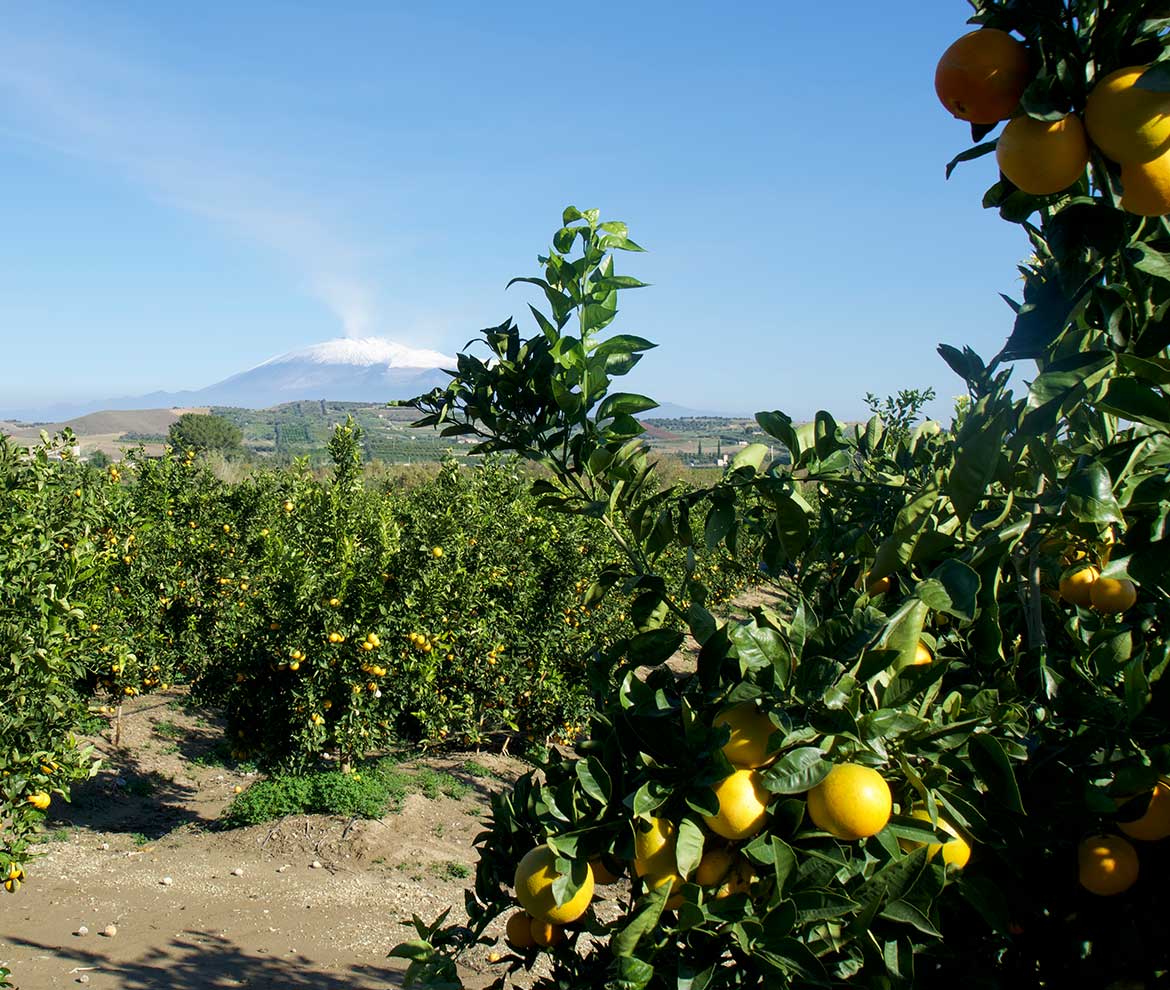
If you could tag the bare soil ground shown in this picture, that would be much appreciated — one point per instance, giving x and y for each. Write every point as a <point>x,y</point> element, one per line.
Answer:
<point>243,907</point>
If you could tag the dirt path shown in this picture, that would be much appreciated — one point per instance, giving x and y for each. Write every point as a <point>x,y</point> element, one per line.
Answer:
<point>242,908</point>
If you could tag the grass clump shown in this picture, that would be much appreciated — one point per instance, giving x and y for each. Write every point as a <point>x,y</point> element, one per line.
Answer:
<point>374,790</point>
<point>371,792</point>
<point>432,783</point>
<point>476,769</point>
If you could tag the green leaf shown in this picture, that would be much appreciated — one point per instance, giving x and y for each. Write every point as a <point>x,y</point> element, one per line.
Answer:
<point>977,454</point>
<point>654,646</point>
<point>413,949</point>
<point>622,343</point>
<point>642,923</point>
<point>797,771</point>
<point>758,646</point>
<point>1133,400</point>
<point>819,905</point>
<point>1137,688</point>
<point>701,623</point>
<point>751,457</point>
<point>953,587</point>
<point>903,632</point>
<point>688,846</point>
<point>1090,495</point>
<point>970,155</point>
<point>986,897</point>
<point>594,780</point>
<point>778,425</point>
<point>994,768</point>
<point>907,914</point>
<point>912,521</point>
<point>624,403</point>
<point>720,520</point>
<point>1147,259</point>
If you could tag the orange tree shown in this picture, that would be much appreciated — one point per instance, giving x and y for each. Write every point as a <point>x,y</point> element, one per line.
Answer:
<point>969,661</point>
<point>349,619</point>
<point>48,548</point>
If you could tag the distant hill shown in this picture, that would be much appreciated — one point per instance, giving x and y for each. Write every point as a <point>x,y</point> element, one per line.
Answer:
<point>118,421</point>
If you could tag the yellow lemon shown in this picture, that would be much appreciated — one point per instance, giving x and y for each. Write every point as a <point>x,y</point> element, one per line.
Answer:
<point>743,806</point>
<point>1076,587</point>
<point>922,655</point>
<point>714,867</point>
<point>535,875</point>
<point>852,802</point>
<point>738,881</point>
<point>1129,124</point>
<point>1145,191</point>
<point>751,730</point>
<point>545,933</point>
<point>654,848</point>
<point>602,874</point>
<point>1111,596</point>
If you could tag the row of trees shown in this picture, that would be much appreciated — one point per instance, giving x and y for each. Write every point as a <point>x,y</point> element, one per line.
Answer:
<point>323,616</point>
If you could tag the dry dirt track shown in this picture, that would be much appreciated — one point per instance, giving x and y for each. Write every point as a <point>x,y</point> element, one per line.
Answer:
<point>280,923</point>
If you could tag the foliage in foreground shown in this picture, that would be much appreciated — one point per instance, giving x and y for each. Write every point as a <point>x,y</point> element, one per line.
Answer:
<point>925,638</point>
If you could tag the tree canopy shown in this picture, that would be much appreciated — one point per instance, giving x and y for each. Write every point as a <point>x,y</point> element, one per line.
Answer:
<point>199,432</point>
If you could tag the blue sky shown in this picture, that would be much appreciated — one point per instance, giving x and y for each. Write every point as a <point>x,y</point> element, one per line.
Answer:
<point>190,189</point>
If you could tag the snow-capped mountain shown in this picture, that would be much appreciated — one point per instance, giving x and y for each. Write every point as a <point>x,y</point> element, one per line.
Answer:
<point>368,369</point>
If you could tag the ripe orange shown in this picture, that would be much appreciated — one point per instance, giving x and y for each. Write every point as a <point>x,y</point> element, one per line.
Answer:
<point>1076,586</point>
<point>1155,823</point>
<point>518,931</point>
<point>1145,191</point>
<point>922,655</point>
<point>743,806</point>
<point>1043,156</point>
<point>535,875</point>
<point>1107,865</point>
<point>751,730</point>
<point>877,587</point>
<point>852,802</point>
<point>1111,596</point>
<point>1129,124</point>
<point>982,76</point>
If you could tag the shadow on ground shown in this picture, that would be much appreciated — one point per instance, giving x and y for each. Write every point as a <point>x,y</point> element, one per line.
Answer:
<point>195,960</point>
<point>129,794</point>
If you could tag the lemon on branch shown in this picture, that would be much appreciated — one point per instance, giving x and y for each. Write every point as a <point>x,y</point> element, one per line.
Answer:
<point>535,875</point>
<point>852,802</point>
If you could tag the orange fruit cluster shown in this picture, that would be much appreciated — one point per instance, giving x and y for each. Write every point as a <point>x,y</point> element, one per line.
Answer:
<point>982,77</point>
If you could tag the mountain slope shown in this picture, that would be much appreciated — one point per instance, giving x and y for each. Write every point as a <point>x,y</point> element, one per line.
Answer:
<point>370,369</point>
